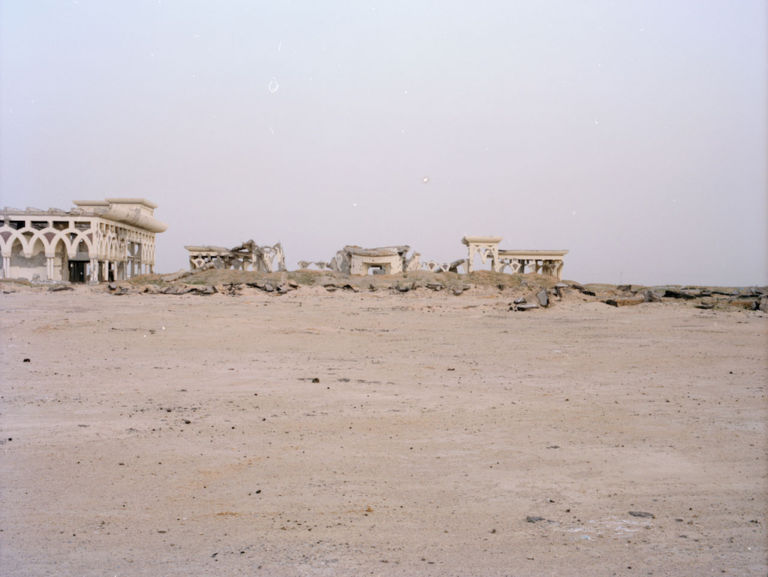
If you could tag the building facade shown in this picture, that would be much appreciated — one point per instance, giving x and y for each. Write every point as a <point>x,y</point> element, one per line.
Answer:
<point>97,240</point>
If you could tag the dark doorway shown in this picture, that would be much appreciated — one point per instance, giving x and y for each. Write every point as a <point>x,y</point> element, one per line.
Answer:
<point>77,271</point>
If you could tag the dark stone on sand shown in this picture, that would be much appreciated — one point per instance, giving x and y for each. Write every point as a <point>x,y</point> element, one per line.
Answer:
<point>749,304</point>
<point>642,514</point>
<point>679,294</point>
<point>534,519</point>
<point>524,307</point>
<point>625,301</point>
<point>653,296</point>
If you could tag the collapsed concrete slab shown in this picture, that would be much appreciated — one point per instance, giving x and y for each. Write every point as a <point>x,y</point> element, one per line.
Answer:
<point>245,256</point>
<point>355,260</point>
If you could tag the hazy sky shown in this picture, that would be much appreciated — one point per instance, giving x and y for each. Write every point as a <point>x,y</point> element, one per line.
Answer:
<point>631,132</point>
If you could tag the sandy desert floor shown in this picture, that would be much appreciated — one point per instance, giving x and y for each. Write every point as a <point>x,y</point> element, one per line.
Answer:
<point>322,433</point>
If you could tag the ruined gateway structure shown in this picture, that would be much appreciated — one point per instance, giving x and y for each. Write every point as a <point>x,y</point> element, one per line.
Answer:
<point>546,262</point>
<point>98,240</point>
<point>246,256</point>
<point>355,260</point>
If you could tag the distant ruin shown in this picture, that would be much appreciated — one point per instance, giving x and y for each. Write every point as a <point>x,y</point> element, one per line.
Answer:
<point>544,262</point>
<point>245,256</point>
<point>355,260</point>
<point>114,239</point>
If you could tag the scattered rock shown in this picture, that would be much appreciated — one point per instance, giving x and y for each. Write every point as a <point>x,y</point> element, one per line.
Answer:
<point>534,519</point>
<point>653,296</point>
<point>679,294</point>
<point>746,304</point>
<point>60,287</point>
<point>625,301</point>
<point>642,514</point>
<point>178,290</point>
<point>524,307</point>
<point>27,361</point>
<point>582,290</point>
<point>543,297</point>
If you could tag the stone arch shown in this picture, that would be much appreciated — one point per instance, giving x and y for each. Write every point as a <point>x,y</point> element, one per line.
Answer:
<point>28,238</point>
<point>74,244</point>
<point>33,242</point>
<point>16,241</point>
<point>27,254</point>
<point>7,239</point>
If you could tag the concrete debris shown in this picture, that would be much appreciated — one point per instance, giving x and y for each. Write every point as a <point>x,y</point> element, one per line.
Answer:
<point>625,301</point>
<point>642,514</point>
<point>679,294</point>
<point>523,306</point>
<point>245,256</point>
<point>355,260</point>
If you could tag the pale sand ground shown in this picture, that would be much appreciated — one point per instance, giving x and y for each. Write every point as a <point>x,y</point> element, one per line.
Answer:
<point>439,423</point>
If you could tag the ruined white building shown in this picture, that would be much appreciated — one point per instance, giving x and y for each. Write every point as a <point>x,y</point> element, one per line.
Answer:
<point>97,240</point>
<point>356,260</point>
<point>246,256</point>
<point>545,262</point>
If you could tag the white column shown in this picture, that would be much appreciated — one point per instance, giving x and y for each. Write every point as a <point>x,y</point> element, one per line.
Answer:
<point>6,266</point>
<point>94,270</point>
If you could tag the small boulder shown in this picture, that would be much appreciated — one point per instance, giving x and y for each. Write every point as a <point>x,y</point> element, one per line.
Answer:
<point>625,301</point>
<point>679,294</point>
<point>653,296</point>
<point>524,307</point>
